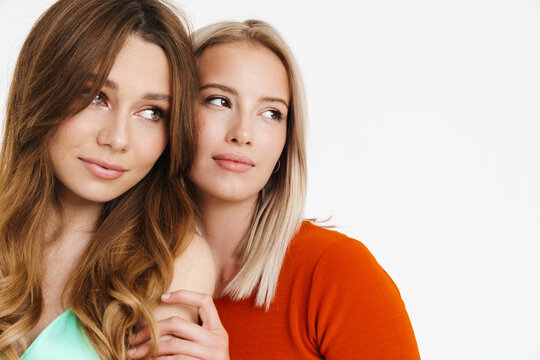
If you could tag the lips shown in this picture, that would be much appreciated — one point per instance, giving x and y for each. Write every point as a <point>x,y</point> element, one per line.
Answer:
<point>234,162</point>
<point>103,169</point>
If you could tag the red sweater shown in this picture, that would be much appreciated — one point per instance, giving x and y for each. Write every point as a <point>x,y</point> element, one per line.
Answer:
<point>333,301</point>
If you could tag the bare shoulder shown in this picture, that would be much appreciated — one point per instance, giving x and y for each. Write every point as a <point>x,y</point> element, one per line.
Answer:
<point>193,270</point>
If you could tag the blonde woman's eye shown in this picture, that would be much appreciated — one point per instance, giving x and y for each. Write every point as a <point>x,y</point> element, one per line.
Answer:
<point>153,114</point>
<point>219,101</point>
<point>99,99</point>
<point>273,114</point>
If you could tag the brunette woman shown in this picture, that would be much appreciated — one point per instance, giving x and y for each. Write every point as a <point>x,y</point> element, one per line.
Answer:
<point>285,289</point>
<point>95,220</point>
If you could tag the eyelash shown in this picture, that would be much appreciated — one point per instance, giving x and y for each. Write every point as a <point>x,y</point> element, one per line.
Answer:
<point>276,114</point>
<point>161,112</point>
<point>157,109</point>
<point>102,95</point>
<point>222,98</point>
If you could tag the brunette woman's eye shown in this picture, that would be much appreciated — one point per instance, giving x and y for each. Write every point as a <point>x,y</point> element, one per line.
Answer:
<point>273,114</point>
<point>99,99</point>
<point>219,101</point>
<point>153,113</point>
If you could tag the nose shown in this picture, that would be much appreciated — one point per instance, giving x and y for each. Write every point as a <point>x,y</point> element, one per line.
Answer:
<point>115,132</point>
<point>240,131</point>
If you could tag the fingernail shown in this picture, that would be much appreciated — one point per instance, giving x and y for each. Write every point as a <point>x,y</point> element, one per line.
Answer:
<point>166,296</point>
<point>132,351</point>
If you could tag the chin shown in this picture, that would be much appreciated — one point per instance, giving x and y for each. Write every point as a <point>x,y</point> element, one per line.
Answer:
<point>99,198</point>
<point>228,194</point>
<point>97,194</point>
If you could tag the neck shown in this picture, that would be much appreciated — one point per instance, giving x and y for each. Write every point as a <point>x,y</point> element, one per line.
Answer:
<point>76,219</point>
<point>69,232</point>
<point>224,224</point>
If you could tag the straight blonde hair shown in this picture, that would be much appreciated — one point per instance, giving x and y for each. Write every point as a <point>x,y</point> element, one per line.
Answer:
<point>128,264</point>
<point>280,206</point>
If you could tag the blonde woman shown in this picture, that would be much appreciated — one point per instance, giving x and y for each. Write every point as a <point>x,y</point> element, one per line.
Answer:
<point>95,220</point>
<point>285,289</point>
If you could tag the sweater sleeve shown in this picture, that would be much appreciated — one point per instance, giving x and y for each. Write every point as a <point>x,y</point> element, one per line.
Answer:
<point>355,310</point>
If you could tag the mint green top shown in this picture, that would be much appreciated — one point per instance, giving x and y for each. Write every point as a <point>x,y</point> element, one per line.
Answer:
<point>61,339</point>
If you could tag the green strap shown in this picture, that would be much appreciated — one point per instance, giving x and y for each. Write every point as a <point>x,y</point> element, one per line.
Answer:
<point>61,339</point>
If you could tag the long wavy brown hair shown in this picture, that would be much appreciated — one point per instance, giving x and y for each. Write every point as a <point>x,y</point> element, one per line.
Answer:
<point>129,261</point>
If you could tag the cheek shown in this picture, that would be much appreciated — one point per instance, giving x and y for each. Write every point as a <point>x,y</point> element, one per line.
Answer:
<point>275,141</point>
<point>149,147</point>
<point>210,131</point>
<point>158,145</point>
<point>201,120</point>
<point>67,136</point>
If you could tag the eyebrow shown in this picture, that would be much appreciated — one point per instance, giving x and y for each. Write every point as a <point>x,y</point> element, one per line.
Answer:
<point>157,97</point>
<point>111,84</point>
<point>108,83</point>
<point>235,93</point>
<point>220,87</point>
<point>147,96</point>
<point>275,99</point>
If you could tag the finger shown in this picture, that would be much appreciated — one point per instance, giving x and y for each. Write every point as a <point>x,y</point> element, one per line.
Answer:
<point>141,336</point>
<point>175,326</point>
<point>187,330</point>
<point>203,302</point>
<point>138,352</point>
<point>180,328</point>
<point>175,346</point>
<point>166,348</point>
<point>170,326</point>
<point>188,338</point>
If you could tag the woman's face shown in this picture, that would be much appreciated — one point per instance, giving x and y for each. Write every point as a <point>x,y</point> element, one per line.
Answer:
<point>107,148</point>
<point>242,118</point>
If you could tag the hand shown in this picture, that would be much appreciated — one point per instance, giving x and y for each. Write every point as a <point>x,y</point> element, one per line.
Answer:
<point>186,340</point>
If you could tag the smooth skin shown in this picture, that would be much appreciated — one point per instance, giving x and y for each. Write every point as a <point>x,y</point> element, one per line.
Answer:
<point>246,115</point>
<point>244,99</point>
<point>120,127</point>
<point>125,127</point>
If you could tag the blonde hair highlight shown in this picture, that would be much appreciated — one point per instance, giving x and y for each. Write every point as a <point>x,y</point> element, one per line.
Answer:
<point>129,261</point>
<point>280,206</point>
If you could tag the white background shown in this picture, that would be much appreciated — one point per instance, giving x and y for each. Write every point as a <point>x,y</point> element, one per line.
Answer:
<point>424,144</point>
